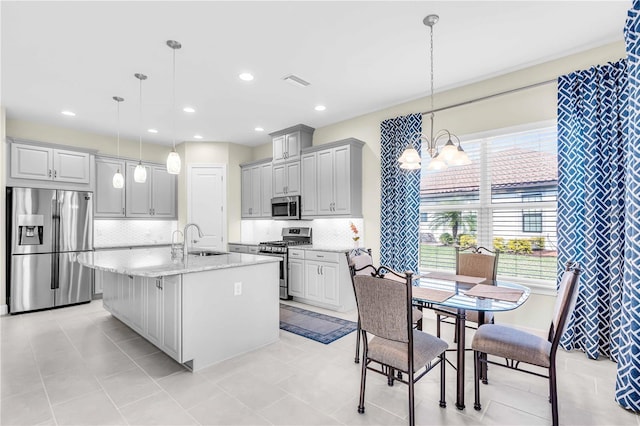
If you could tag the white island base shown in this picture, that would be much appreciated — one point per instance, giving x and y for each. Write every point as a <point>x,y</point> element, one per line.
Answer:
<point>199,318</point>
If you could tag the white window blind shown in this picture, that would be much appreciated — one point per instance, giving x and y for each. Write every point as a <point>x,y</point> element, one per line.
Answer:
<point>505,201</point>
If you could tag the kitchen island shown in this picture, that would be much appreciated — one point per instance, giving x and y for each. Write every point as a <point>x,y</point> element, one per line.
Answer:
<point>199,310</point>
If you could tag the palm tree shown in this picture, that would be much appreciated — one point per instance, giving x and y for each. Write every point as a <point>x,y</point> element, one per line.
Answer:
<point>457,220</point>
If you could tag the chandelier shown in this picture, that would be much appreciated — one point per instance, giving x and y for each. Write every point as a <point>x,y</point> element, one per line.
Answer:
<point>451,154</point>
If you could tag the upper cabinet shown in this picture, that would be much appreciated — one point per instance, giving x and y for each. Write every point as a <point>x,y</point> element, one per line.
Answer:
<point>109,201</point>
<point>50,164</point>
<point>332,179</point>
<point>286,179</point>
<point>256,189</point>
<point>154,198</point>
<point>288,143</point>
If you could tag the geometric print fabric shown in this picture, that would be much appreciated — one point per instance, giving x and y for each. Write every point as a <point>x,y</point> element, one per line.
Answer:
<point>599,208</point>
<point>628,377</point>
<point>400,195</point>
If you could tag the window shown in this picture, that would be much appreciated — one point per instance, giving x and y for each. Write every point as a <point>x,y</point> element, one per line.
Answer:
<point>531,218</point>
<point>505,201</point>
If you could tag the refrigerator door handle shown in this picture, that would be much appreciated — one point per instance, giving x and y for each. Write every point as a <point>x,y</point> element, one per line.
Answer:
<point>54,271</point>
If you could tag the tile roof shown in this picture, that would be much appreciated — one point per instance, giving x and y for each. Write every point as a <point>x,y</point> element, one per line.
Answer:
<point>510,168</point>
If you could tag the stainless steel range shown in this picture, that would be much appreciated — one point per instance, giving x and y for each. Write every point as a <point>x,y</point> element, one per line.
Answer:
<point>290,237</point>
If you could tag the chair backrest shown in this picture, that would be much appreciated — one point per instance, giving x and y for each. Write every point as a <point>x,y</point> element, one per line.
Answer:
<point>361,260</point>
<point>476,264</point>
<point>384,306</point>
<point>565,303</point>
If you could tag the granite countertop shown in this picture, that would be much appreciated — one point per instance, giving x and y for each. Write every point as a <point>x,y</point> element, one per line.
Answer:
<point>131,246</point>
<point>245,243</point>
<point>157,262</point>
<point>333,249</point>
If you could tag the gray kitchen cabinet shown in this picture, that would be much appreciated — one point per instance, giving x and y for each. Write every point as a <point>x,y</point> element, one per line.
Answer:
<point>154,198</point>
<point>109,201</point>
<point>150,306</point>
<point>320,278</point>
<point>243,248</point>
<point>308,186</point>
<point>287,143</point>
<point>256,189</point>
<point>332,179</point>
<point>296,273</point>
<point>286,179</point>
<point>163,314</point>
<point>52,164</point>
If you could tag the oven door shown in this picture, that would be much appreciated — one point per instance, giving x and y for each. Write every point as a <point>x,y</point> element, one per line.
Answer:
<point>284,289</point>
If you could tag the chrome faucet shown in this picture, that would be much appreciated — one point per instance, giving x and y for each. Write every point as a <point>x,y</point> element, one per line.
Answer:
<point>185,247</point>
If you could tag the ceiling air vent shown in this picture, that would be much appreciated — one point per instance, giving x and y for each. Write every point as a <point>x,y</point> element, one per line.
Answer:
<point>295,80</point>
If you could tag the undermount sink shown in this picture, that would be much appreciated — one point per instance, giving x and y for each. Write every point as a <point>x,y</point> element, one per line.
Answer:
<point>206,253</point>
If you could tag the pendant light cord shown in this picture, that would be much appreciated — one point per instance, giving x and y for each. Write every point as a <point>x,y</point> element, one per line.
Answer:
<point>173,102</point>
<point>118,124</point>
<point>140,124</point>
<point>432,146</point>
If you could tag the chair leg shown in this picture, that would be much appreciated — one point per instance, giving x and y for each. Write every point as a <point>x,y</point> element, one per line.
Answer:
<point>438,325</point>
<point>553,390</point>
<point>390,374</point>
<point>485,368</point>
<point>357,358</point>
<point>443,369</point>
<point>412,415</point>
<point>476,379</point>
<point>363,374</point>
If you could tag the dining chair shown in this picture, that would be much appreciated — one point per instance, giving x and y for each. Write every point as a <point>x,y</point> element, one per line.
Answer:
<point>518,346</point>
<point>385,311</point>
<point>476,262</point>
<point>362,263</point>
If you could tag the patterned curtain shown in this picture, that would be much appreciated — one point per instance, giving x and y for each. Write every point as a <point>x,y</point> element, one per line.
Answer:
<point>400,193</point>
<point>628,378</point>
<point>599,208</point>
<point>592,123</point>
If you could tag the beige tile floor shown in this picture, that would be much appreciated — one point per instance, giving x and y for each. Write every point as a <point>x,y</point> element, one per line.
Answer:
<point>80,366</point>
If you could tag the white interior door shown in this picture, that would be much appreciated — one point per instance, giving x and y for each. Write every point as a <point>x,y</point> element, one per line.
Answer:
<point>206,205</point>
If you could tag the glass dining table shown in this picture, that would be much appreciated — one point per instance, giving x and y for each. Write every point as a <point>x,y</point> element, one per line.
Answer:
<point>448,290</point>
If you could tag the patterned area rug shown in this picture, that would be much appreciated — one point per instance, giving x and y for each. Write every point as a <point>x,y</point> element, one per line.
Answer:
<point>312,325</point>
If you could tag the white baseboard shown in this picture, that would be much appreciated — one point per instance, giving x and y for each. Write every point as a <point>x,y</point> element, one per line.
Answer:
<point>4,309</point>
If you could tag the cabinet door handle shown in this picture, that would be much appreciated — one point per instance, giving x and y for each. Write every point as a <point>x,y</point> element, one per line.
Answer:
<point>55,174</point>
<point>123,210</point>
<point>322,270</point>
<point>49,174</point>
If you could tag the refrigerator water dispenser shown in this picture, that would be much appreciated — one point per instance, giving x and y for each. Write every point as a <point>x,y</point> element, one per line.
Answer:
<point>30,229</point>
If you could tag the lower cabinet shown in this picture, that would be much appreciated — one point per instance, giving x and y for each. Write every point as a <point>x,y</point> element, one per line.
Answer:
<point>320,278</point>
<point>150,306</point>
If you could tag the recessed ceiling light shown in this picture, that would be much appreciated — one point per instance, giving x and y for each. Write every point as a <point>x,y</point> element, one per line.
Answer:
<point>245,76</point>
<point>69,113</point>
<point>152,131</point>
<point>320,108</point>
<point>188,109</point>
<point>259,129</point>
<point>197,136</point>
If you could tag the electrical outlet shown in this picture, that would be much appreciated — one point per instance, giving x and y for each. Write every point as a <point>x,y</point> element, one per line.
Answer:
<point>237,289</point>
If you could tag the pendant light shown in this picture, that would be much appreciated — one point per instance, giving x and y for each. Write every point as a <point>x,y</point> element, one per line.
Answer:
<point>140,173</point>
<point>118,179</point>
<point>173,159</point>
<point>450,154</point>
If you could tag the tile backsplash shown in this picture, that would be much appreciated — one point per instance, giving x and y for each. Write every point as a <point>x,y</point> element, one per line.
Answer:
<point>111,233</point>
<point>325,232</point>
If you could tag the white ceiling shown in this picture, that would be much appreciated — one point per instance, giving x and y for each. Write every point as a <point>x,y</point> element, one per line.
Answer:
<point>359,57</point>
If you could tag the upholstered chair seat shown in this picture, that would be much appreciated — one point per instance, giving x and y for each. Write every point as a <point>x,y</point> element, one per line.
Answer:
<point>511,343</point>
<point>425,348</point>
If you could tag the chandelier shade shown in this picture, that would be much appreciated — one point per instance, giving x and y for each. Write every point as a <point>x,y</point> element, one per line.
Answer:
<point>450,154</point>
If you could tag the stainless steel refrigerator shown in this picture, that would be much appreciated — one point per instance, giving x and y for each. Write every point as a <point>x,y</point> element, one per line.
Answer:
<point>47,229</point>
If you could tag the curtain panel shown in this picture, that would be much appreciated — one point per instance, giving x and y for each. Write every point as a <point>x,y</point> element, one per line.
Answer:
<point>592,123</point>
<point>628,377</point>
<point>400,195</point>
<point>599,208</point>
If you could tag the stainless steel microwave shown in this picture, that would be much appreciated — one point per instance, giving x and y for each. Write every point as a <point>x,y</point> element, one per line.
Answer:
<point>285,208</point>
